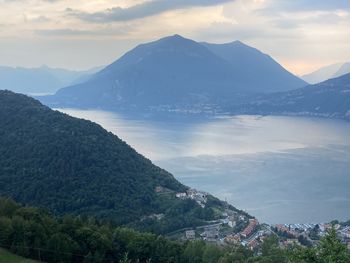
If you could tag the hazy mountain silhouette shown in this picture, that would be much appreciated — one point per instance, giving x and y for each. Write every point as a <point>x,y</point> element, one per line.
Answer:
<point>327,72</point>
<point>42,80</point>
<point>344,69</point>
<point>178,71</point>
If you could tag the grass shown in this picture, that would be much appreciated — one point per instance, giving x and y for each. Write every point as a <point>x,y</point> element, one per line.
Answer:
<point>8,257</point>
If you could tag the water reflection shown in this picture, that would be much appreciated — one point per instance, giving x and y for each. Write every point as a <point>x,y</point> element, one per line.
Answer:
<point>184,136</point>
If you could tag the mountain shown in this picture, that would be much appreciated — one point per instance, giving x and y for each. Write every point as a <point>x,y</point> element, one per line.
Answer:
<point>344,69</point>
<point>29,81</point>
<point>176,71</point>
<point>42,80</point>
<point>70,165</point>
<point>327,72</point>
<point>256,70</point>
<point>330,98</point>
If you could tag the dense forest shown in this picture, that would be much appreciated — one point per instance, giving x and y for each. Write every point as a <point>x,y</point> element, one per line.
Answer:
<point>34,233</point>
<point>69,165</point>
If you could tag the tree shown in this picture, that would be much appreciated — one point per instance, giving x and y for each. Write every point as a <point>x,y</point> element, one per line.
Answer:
<point>194,252</point>
<point>271,252</point>
<point>211,254</point>
<point>330,249</point>
<point>61,247</point>
<point>236,254</point>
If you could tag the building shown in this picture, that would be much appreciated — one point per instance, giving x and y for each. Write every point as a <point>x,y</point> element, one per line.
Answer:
<point>253,244</point>
<point>210,233</point>
<point>181,195</point>
<point>233,239</point>
<point>250,228</point>
<point>190,234</point>
<point>232,221</point>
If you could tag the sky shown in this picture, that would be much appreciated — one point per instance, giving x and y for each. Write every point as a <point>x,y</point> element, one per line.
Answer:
<point>302,35</point>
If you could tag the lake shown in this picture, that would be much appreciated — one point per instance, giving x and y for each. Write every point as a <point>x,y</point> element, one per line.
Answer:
<point>279,169</point>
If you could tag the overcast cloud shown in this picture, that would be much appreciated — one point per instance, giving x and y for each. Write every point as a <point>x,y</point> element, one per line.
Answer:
<point>141,10</point>
<point>301,34</point>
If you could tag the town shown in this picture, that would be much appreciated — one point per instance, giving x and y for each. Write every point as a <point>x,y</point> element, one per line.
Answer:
<point>236,229</point>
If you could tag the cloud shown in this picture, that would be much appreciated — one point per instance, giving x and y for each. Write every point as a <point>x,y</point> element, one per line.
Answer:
<point>288,6</point>
<point>64,32</point>
<point>142,10</point>
<point>23,1</point>
<point>77,32</point>
<point>227,32</point>
<point>302,20</point>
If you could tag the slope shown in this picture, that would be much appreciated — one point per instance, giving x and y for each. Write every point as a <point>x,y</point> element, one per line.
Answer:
<point>257,71</point>
<point>344,69</point>
<point>322,74</point>
<point>71,165</point>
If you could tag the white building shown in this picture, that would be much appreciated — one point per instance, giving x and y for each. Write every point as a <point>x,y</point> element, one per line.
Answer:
<point>181,195</point>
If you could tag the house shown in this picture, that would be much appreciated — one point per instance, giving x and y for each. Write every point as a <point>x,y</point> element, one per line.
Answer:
<point>190,234</point>
<point>346,234</point>
<point>210,233</point>
<point>224,221</point>
<point>232,222</point>
<point>242,218</point>
<point>233,239</point>
<point>181,195</point>
<point>250,228</point>
<point>252,244</point>
<point>191,192</point>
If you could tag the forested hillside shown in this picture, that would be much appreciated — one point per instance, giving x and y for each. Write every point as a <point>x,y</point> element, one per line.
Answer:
<point>70,165</point>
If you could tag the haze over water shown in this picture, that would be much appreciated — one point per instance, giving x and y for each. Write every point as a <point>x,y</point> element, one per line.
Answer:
<point>279,169</point>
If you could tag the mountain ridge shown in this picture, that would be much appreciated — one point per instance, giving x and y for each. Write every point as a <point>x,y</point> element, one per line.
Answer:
<point>40,80</point>
<point>327,72</point>
<point>169,71</point>
<point>330,98</point>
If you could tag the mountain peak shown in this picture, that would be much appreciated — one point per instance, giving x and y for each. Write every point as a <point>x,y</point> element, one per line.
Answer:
<point>237,42</point>
<point>176,36</point>
<point>175,40</point>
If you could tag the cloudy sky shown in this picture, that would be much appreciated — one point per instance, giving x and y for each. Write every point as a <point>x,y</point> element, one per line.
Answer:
<point>302,35</point>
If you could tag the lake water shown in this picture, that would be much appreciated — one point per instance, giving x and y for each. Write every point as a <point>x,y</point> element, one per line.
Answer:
<point>279,169</point>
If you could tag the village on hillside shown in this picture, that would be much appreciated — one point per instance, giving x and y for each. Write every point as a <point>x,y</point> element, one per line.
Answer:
<point>236,228</point>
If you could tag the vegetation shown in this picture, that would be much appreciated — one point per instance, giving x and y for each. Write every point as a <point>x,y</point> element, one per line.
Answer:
<point>69,165</point>
<point>8,257</point>
<point>34,233</point>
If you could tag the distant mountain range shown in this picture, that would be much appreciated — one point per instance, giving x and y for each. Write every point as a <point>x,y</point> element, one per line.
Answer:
<point>327,72</point>
<point>330,98</point>
<point>74,166</point>
<point>178,71</point>
<point>344,69</point>
<point>42,80</point>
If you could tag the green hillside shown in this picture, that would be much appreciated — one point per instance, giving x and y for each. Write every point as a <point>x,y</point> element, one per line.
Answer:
<point>8,257</point>
<point>69,165</point>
